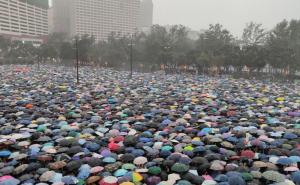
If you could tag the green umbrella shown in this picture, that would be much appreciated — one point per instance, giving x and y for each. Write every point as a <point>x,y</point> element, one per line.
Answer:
<point>180,168</point>
<point>273,176</point>
<point>154,170</point>
<point>128,166</point>
<point>247,176</point>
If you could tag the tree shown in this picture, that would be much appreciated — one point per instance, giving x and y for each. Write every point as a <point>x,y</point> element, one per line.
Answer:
<point>85,43</point>
<point>67,51</point>
<point>212,44</point>
<point>4,45</point>
<point>254,35</point>
<point>282,55</point>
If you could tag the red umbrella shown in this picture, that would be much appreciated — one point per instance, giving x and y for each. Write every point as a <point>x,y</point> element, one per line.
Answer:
<point>248,153</point>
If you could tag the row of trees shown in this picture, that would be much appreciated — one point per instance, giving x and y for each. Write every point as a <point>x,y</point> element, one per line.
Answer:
<point>216,50</point>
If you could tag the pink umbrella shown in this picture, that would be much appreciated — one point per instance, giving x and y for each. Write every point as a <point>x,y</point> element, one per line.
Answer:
<point>5,177</point>
<point>207,177</point>
<point>291,169</point>
<point>97,169</point>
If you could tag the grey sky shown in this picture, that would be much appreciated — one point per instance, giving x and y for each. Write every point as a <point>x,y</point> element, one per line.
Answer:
<point>233,14</point>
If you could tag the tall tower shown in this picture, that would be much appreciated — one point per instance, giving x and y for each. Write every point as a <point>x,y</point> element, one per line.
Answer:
<point>98,18</point>
<point>146,14</point>
<point>24,20</point>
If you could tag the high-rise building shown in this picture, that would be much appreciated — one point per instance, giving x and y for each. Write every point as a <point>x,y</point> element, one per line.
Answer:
<point>95,17</point>
<point>146,14</point>
<point>24,19</point>
<point>50,20</point>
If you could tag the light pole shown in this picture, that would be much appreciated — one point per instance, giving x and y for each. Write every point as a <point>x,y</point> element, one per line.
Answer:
<point>77,61</point>
<point>131,56</point>
<point>166,48</point>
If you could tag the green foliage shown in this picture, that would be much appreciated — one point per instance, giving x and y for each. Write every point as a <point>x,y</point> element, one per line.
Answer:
<point>216,51</point>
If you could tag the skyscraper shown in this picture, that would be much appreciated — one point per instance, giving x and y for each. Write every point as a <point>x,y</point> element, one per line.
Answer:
<point>21,20</point>
<point>95,17</point>
<point>146,14</point>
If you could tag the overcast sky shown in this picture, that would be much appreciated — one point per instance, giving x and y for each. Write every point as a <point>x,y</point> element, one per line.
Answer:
<point>233,14</point>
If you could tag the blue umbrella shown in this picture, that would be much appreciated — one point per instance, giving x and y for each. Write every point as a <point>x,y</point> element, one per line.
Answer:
<point>232,139</point>
<point>221,178</point>
<point>296,177</point>
<point>224,130</point>
<point>120,172</point>
<point>93,147</point>
<point>145,139</point>
<point>198,143</point>
<point>285,161</point>
<point>84,172</point>
<point>11,181</point>
<point>206,130</point>
<point>223,183</point>
<point>233,173</point>
<point>290,136</point>
<point>56,178</point>
<point>295,159</point>
<point>109,160</point>
<point>69,180</point>
<point>236,180</point>
<point>199,149</point>
<point>166,122</point>
<point>5,153</point>
<point>138,152</point>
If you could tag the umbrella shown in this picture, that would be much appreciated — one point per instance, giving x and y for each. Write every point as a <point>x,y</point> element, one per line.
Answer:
<point>248,153</point>
<point>295,159</point>
<point>256,174</point>
<point>109,160</point>
<point>20,168</point>
<point>180,168</point>
<point>236,180</point>
<point>217,166</point>
<point>136,177</point>
<point>284,161</point>
<point>221,178</point>
<point>154,170</point>
<point>184,182</point>
<point>56,178</point>
<point>273,176</point>
<point>291,169</point>
<point>7,170</point>
<point>128,166</point>
<point>120,172</point>
<point>93,179</point>
<point>69,180</point>
<point>127,183</point>
<point>8,180</point>
<point>5,153</point>
<point>84,172</point>
<point>296,177</point>
<point>290,136</point>
<point>96,169</point>
<point>57,165</point>
<point>259,164</point>
<point>47,176</point>
<point>140,160</point>
<point>154,180</point>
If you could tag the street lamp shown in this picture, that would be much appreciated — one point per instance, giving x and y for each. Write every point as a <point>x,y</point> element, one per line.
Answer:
<point>77,60</point>
<point>165,48</point>
<point>131,56</point>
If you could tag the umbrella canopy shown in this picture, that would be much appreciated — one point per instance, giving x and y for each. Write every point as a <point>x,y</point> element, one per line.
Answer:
<point>284,161</point>
<point>180,168</point>
<point>273,176</point>
<point>248,153</point>
<point>140,160</point>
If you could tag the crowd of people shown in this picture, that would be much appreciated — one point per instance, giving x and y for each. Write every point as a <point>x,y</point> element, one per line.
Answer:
<point>153,129</point>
